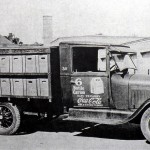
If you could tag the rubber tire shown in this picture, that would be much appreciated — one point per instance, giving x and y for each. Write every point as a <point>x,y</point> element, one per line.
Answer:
<point>16,120</point>
<point>145,124</point>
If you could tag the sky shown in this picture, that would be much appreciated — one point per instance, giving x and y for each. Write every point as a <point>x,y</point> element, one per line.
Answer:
<point>75,18</point>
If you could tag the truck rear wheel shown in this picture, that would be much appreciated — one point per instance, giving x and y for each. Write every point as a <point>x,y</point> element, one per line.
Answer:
<point>145,124</point>
<point>9,118</point>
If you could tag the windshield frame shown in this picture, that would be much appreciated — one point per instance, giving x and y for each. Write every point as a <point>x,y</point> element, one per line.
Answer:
<point>117,63</point>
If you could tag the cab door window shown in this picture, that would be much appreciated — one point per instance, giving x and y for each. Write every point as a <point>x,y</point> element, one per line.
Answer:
<point>89,59</point>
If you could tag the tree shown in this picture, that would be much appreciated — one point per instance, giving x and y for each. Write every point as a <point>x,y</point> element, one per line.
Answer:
<point>11,37</point>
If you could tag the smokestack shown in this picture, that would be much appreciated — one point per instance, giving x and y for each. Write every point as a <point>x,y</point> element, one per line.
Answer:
<point>47,30</point>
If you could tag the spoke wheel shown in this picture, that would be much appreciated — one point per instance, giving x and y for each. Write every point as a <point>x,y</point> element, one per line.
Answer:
<point>9,118</point>
<point>145,124</point>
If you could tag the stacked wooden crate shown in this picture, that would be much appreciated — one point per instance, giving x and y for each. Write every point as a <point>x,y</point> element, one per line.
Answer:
<point>25,74</point>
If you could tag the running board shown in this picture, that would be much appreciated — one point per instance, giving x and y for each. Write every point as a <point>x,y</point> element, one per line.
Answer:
<point>102,116</point>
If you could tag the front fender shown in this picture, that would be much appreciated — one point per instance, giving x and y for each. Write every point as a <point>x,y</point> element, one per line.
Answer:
<point>136,116</point>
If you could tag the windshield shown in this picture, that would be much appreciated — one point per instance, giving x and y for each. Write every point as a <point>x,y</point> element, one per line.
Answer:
<point>122,61</point>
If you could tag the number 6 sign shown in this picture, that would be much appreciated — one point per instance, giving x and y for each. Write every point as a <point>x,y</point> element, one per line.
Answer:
<point>78,82</point>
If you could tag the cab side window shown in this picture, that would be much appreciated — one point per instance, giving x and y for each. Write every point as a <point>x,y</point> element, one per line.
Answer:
<point>89,59</point>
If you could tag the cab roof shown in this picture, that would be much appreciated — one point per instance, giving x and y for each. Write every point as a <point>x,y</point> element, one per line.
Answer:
<point>114,48</point>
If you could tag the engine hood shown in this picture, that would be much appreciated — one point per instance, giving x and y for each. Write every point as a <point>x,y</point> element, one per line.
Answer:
<point>130,91</point>
<point>139,90</point>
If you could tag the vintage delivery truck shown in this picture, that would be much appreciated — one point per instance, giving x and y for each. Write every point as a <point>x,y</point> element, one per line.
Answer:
<point>91,82</point>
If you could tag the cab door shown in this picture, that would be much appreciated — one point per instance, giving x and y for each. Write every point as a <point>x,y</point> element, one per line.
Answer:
<point>89,79</point>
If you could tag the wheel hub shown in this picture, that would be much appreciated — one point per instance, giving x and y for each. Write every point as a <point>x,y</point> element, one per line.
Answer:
<point>6,117</point>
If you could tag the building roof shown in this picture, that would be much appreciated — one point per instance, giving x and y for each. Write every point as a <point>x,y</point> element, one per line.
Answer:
<point>113,40</point>
<point>141,45</point>
<point>4,42</point>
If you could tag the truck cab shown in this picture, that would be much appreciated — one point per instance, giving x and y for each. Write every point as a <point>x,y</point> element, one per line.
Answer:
<point>88,75</point>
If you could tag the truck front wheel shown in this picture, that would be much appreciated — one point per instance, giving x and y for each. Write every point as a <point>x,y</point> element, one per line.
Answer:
<point>145,124</point>
<point>9,118</point>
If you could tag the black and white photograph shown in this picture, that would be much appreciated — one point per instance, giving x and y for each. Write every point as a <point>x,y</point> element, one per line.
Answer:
<point>74,74</point>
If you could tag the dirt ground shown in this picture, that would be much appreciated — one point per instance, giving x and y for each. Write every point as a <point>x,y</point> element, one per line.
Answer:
<point>68,135</point>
